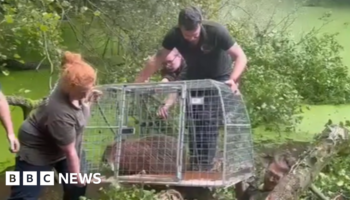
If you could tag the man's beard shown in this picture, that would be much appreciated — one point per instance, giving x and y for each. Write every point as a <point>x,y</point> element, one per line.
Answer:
<point>193,43</point>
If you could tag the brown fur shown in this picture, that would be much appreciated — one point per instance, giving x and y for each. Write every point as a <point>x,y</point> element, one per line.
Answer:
<point>151,155</point>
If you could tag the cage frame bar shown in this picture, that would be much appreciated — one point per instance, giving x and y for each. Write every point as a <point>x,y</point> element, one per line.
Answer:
<point>121,123</point>
<point>181,133</point>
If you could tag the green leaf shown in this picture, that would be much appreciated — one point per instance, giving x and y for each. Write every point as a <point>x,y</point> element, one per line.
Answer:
<point>5,72</point>
<point>17,56</point>
<point>97,13</point>
<point>9,19</point>
<point>340,183</point>
<point>83,9</point>
<point>43,28</point>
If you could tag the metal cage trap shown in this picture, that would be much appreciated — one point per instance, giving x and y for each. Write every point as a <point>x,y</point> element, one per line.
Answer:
<point>205,140</point>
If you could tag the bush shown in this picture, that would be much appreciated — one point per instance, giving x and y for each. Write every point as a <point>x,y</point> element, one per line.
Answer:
<point>334,180</point>
<point>284,72</point>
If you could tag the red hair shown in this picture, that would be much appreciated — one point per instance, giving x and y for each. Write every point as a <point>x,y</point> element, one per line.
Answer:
<point>76,71</point>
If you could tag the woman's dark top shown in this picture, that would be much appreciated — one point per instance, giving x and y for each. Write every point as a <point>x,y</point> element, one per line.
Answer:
<point>55,123</point>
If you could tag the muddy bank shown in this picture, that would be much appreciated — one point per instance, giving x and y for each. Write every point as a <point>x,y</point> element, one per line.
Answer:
<point>55,192</point>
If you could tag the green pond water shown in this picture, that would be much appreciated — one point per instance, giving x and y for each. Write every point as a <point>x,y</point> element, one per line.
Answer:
<point>314,118</point>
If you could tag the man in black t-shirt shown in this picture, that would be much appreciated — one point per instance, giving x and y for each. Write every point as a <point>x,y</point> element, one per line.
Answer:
<point>206,46</point>
<point>208,50</point>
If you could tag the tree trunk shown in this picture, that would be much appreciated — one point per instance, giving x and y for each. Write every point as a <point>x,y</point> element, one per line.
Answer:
<point>333,140</point>
<point>26,104</point>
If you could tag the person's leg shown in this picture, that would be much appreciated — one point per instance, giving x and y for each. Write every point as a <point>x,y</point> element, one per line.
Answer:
<point>206,139</point>
<point>23,192</point>
<point>203,134</point>
<point>191,125</point>
<point>207,130</point>
<point>71,192</point>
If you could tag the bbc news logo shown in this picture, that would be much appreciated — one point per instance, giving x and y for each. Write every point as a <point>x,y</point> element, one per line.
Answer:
<point>13,178</point>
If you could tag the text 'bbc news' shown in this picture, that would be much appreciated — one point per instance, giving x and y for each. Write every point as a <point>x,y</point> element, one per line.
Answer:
<point>47,178</point>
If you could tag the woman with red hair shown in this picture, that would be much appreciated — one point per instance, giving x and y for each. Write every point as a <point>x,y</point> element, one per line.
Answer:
<point>51,137</point>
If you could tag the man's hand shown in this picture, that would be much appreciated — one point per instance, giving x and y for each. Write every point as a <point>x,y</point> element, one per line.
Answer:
<point>5,118</point>
<point>163,112</point>
<point>153,64</point>
<point>233,86</point>
<point>14,143</point>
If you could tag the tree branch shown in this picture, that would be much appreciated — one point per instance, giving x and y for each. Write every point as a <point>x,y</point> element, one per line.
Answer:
<point>26,104</point>
<point>318,192</point>
<point>332,141</point>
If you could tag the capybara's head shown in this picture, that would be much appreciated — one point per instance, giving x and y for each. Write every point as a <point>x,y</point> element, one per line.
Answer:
<point>108,156</point>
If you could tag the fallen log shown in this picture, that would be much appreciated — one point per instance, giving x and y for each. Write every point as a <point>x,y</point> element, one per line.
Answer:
<point>332,141</point>
<point>26,104</point>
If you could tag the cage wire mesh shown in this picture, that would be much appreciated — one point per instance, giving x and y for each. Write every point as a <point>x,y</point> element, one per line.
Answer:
<point>204,141</point>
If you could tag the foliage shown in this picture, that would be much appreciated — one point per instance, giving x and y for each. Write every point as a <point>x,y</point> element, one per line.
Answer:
<point>284,72</point>
<point>335,179</point>
<point>29,27</point>
<point>129,193</point>
<point>117,37</point>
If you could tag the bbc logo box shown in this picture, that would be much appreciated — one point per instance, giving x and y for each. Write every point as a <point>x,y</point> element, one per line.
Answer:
<point>30,178</point>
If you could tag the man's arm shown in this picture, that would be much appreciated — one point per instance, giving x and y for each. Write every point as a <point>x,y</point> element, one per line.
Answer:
<point>5,114</point>
<point>152,65</point>
<point>155,62</point>
<point>237,54</point>
<point>240,64</point>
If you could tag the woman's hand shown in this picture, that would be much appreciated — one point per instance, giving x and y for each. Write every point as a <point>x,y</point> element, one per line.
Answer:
<point>94,96</point>
<point>80,183</point>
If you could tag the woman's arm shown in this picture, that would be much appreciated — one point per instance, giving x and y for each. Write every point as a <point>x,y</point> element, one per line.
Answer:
<point>72,157</point>
<point>62,130</point>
